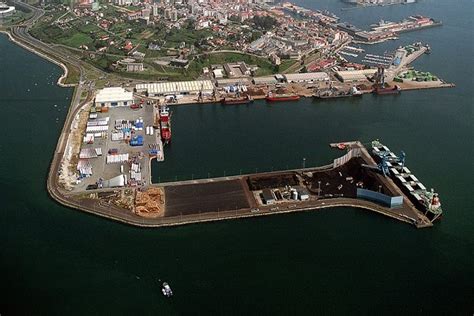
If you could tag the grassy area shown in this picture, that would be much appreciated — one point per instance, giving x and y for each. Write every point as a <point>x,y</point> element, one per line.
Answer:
<point>80,32</point>
<point>76,40</point>
<point>103,62</point>
<point>73,75</point>
<point>265,66</point>
<point>16,18</point>
<point>286,63</point>
<point>174,37</point>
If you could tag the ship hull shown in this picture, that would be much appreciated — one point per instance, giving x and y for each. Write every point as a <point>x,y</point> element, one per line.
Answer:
<point>337,96</point>
<point>236,101</point>
<point>384,91</point>
<point>284,98</point>
<point>165,126</point>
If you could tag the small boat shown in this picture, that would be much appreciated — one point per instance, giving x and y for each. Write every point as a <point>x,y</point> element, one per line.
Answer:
<point>166,290</point>
<point>281,97</point>
<point>341,146</point>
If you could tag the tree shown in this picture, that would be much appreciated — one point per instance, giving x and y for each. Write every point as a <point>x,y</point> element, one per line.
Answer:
<point>264,22</point>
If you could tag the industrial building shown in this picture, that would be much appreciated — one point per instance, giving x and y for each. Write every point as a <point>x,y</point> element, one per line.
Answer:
<point>235,70</point>
<point>234,82</point>
<point>265,80</point>
<point>268,197</point>
<point>355,75</point>
<point>113,96</point>
<point>178,87</point>
<point>309,77</point>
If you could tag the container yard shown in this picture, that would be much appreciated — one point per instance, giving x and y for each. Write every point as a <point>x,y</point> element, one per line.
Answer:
<point>115,147</point>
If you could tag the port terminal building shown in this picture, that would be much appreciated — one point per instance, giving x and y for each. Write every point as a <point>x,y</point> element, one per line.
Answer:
<point>159,89</point>
<point>113,96</point>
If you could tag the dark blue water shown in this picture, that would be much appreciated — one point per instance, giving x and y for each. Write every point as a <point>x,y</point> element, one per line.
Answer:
<point>57,261</point>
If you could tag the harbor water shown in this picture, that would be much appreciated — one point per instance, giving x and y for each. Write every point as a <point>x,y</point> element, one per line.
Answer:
<point>58,261</point>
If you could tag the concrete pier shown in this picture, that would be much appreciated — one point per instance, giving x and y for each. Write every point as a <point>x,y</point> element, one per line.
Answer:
<point>237,197</point>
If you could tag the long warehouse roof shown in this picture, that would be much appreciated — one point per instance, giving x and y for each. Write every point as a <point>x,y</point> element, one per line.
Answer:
<point>175,87</point>
<point>307,76</point>
<point>113,94</point>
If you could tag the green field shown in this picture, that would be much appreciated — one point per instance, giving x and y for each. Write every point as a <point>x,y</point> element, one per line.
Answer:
<point>76,40</point>
<point>265,66</point>
<point>16,18</point>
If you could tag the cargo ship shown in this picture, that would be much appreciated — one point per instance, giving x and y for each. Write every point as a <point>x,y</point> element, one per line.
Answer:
<point>413,23</point>
<point>237,100</point>
<point>330,94</point>
<point>281,97</point>
<point>165,124</point>
<point>427,201</point>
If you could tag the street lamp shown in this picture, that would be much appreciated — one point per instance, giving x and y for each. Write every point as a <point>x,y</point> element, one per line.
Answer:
<point>319,189</point>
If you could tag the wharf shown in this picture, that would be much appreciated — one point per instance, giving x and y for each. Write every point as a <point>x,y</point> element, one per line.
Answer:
<point>240,196</point>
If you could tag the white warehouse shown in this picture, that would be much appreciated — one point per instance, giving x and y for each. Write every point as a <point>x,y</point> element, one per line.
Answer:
<point>309,77</point>
<point>114,96</point>
<point>179,87</point>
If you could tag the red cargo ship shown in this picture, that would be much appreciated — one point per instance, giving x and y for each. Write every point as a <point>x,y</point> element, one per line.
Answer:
<point>165,124</point>
<point>281,97</point>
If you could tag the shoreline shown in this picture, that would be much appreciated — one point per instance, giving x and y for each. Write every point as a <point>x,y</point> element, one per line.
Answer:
<point>46,57</point>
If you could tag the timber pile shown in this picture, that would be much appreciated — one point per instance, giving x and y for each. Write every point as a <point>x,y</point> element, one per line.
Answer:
<point>150,203</point>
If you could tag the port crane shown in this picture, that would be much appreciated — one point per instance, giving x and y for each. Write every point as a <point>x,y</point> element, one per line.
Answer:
<point>381,167</point>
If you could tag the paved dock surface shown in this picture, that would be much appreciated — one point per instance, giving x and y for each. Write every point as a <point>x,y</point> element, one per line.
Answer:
<point>205,198</point>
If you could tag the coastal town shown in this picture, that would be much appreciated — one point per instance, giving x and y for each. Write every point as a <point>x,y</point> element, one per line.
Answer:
<point>133,61</point>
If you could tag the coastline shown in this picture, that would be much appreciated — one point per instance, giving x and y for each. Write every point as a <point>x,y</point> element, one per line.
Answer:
<point>61,79</point>
<point>127,217</point>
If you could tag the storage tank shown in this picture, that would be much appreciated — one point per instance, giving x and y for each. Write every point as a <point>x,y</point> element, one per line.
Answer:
<point>294,195</point>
